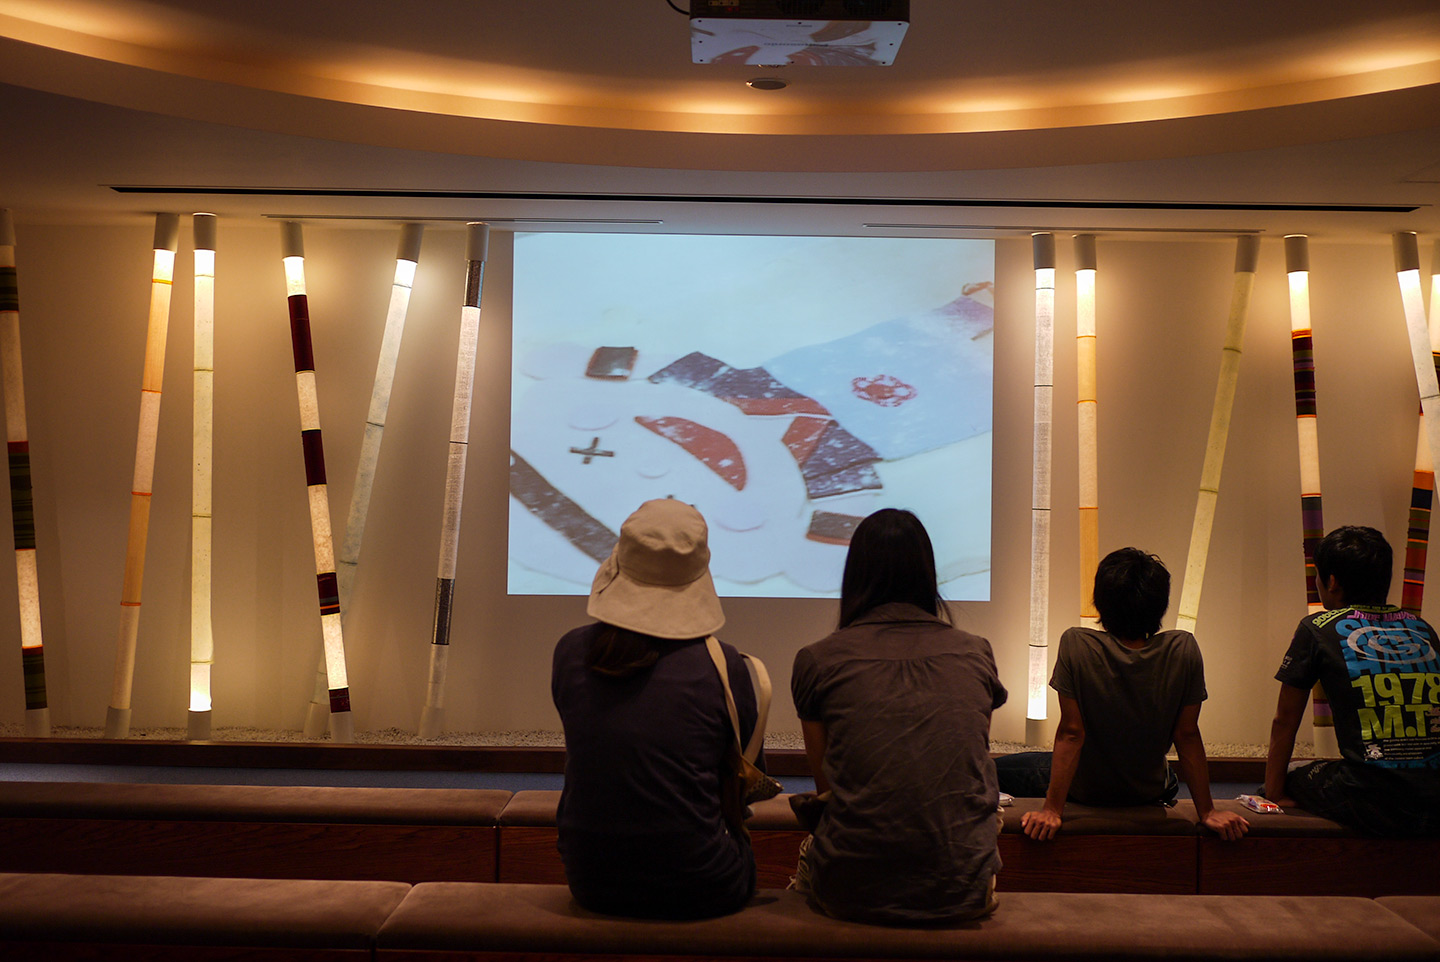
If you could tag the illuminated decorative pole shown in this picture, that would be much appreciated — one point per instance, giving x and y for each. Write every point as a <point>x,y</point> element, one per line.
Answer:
<point>1087,413</point>
<point>1422,344</point>
<point>405,261</point>
<point>1247,253</point>
<point>22,501</point>
<point>477,244</point>
<point>342,727</point>
<point>202,639</point>
<point>1422,490</point>
<point>167,238</point>
<point>1044,254</point>
<point>1312,523</point>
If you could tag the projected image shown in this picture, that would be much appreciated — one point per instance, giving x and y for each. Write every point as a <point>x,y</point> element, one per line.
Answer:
<point>785,386</point>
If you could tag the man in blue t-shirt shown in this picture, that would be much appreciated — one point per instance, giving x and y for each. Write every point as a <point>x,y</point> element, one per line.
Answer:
<point>1380,669</point>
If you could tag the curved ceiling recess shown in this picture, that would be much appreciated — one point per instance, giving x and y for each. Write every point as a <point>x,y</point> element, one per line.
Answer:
<point>1021,83</point>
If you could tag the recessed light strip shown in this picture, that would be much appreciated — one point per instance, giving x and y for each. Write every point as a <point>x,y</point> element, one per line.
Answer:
<point>762,199</point>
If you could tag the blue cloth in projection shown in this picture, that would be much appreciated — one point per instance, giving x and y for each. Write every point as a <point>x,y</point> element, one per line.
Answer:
<point>903,386</point>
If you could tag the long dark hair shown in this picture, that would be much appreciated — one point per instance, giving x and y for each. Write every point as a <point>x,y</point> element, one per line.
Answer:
<point>890,559</point>
<point>619,652</point>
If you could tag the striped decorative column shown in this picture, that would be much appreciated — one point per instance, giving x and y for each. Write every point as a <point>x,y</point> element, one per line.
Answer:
<point>1035,702</point>
<point>1087,416</point>
<point>1312,523</point>
<point>1247,253</point>
<point>342,728</point>
<point>477,245</point>
<point>1407,274</point>
<point>22,503</point>
<point>167,238</point>
<point>405,260</point>
<point>1422,489</point>
<point>202,639</point>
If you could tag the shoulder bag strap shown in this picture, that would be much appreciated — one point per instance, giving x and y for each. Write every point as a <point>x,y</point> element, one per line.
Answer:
<point>762,697</point>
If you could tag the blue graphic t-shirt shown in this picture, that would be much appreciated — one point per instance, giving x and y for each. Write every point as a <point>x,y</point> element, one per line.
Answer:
<point>1380,669</point>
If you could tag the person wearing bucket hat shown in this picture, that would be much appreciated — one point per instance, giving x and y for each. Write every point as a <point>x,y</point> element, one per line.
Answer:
<point>895,711</point>
<point>647,733</point>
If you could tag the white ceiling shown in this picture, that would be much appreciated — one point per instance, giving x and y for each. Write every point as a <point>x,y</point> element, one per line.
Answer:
<point>992,116</point>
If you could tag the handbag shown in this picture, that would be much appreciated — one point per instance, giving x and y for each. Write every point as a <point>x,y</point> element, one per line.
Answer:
<point>743,783</point>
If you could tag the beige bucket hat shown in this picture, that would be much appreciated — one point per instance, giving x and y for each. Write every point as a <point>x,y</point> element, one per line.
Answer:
<point>657,579</point>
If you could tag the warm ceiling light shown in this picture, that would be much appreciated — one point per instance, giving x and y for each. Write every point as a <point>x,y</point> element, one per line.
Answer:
<point>767,83</point>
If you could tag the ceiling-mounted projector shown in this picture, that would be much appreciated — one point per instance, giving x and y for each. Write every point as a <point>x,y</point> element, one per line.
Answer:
<point>814,33</point>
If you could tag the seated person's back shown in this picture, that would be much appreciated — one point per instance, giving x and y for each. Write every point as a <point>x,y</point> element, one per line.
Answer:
<point>895,709</point>
<point>1379,668</point>
<point>1127,692</point>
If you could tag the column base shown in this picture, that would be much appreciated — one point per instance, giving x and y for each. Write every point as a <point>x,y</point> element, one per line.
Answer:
<point>317,720</point>
<point>342,727</point>
<point>37,722</point>
<point>432,721</point>
<point>1039,733</point>
<point>117,722</point>
<point>1326,745</point>
<point>197,726</point>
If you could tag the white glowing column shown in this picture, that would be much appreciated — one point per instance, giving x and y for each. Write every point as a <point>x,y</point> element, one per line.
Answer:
<point>22,499</point>
<point>1312,523</point>
<point>349,559</point>
<point>202,639</point>
<point>1247,252</point>
<point>342,728</point>
<point>1422,489</point>
<point>1035,708</point>
<point>167,238</point>
<point>1407,272</point>
<point>1087,414</point>
<point>477,244</point>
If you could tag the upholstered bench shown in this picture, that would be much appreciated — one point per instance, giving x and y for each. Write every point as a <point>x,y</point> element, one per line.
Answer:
<point>55,917</point>
<point>1150,849</point>
<point>443,921</point>
<point>399,834</point>
<point>1421,911</point>
<point>1303,854</point>
<point>527,850</point>
<point>1145,849</point>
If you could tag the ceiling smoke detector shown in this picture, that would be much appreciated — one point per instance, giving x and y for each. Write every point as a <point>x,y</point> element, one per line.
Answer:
<point>813,33</point>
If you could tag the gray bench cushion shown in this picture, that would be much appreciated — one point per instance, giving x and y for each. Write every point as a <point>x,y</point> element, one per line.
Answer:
<point>1421,911</point>
<point>1091,820</point>
<point>252,803</point>
<point>1293,822</point>
<point>461,917</point>
<point>194,911</point>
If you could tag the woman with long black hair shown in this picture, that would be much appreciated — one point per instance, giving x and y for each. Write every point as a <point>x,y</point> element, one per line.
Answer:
<point>895,709</point>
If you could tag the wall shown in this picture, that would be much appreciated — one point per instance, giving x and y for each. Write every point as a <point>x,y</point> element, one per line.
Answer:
<point>1162,311</point>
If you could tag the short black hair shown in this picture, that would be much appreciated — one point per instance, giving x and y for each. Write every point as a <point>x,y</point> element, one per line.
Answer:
<point>1132,591</point>
<point>1361,561</point>
<point>890,559</point>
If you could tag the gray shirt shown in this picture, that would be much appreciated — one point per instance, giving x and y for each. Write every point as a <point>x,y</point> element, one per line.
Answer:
<point>1130,699</point>
<point>910,833</point>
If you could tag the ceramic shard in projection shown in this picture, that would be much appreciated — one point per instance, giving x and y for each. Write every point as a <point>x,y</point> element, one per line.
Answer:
<point>477,245</point>
<point>202,639</point>
<point>342,728</point>
<point>1035,707</point>
<point>1087,423</point>
<point>1247,253</point>
<point>348,561</point>
<point>162,274</point>
<point>22,499</point>
<point>1312,524</point>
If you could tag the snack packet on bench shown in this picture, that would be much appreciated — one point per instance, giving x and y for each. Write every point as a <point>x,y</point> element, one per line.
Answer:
<point>1257,803</point>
